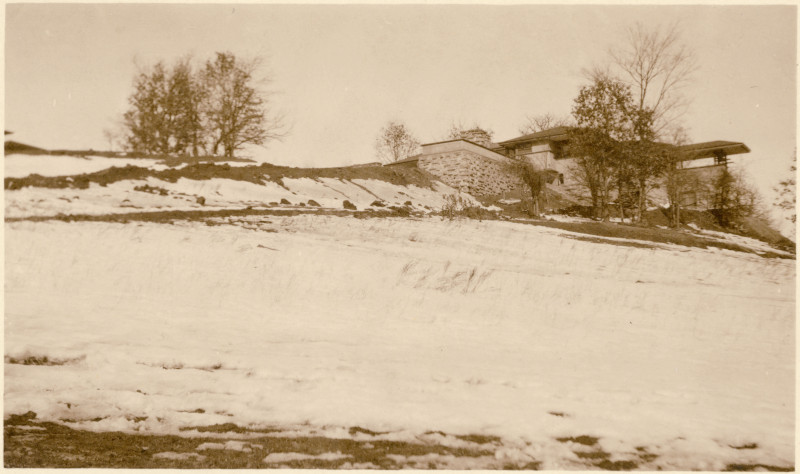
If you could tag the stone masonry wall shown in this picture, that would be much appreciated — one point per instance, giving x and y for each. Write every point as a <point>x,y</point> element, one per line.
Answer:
<point>470,172</point>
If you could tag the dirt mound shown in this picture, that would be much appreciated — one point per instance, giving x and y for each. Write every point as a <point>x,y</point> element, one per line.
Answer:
<point>203,171</point>
<point>702,219</point>
<point>656,217</point>
<point>12,147</point>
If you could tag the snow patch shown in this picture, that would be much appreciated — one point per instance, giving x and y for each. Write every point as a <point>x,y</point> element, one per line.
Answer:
<point>230,445</point>
<point>277,458</point>
<point>178,456</point>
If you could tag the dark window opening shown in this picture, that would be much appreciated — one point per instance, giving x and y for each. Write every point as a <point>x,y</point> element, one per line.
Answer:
<point>558,150</point>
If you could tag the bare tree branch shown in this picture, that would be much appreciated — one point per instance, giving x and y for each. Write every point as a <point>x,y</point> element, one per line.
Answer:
<point>537,123</point>
<point>395,143</point>
<point>658,66</point>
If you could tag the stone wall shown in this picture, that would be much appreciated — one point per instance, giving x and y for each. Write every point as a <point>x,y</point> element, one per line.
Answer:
<point>472,170</point>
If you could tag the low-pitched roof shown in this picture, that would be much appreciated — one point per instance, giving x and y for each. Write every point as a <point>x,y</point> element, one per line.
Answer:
<point>709,149</point>
<point>556,134</point>
<point>462,140</point>
<point>696,150</point>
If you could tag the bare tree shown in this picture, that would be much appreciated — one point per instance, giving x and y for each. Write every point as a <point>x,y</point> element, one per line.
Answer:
<point>535,181</point>
<point>395,142</point>
<point>148,130</point>
<point>537,123</point>
<point>115,135</point>
<point>183,110</point>
<point>657,65</point>
<point>787,192</point>
<point>184,102</point>
<point>235,111</point>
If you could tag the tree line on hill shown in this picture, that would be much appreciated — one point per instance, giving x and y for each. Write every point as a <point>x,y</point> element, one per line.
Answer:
<point>218,107</point>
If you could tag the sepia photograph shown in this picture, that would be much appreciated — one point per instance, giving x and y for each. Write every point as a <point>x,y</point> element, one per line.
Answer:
<point>500,236</point>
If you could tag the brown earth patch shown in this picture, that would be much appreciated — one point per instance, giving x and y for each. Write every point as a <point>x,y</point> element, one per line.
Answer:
<point>172,216</point>
<point>202,171</point>
<point>583,439</point>
<point>756,467</point>
<point>665,236</point>
<point>58,446</point>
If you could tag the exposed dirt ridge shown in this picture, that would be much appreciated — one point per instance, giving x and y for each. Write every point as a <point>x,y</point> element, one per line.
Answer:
<point>203,171</point>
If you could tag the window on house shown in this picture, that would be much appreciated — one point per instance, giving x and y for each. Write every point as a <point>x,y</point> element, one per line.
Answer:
<point>558,150</point>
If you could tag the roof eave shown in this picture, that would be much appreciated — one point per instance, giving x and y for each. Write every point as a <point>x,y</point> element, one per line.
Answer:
<point>732,148</point>
<point>552,138</point>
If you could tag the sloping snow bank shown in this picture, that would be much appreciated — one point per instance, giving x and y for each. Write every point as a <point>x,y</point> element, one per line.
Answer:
<point>217,193</point>
<point>21,165</point>
<point>737,239</point>
<point>406,326</point>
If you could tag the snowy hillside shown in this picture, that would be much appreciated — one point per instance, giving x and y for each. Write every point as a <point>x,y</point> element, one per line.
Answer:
<point>512,345</point>
<point>405,327</point>
<point>150,193</point>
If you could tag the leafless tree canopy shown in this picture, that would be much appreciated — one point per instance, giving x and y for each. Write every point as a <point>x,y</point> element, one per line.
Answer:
<point>234,109</point>
<point>537,123</point>
<point>395,143</point>
<point>787,192</point>
<point>657,65</point>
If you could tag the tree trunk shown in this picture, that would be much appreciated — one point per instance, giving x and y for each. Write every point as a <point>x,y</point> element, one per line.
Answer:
<point>640,206</point>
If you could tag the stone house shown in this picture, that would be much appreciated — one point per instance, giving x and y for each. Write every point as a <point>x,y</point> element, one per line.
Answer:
<point>482,169</point>
<point>466,166</point>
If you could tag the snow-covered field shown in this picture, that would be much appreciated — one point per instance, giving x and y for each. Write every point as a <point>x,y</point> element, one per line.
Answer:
<point>411,330</point>
<point>406,327</point>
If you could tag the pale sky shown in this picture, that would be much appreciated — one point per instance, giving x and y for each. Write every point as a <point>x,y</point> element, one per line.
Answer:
<point>342,71</point>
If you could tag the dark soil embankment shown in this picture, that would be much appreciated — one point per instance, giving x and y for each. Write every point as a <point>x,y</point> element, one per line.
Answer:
<point>28,443</point>
<point>171,216</point>
<point>650,234</point>
<point>202,171</point>
<point>14,148</point>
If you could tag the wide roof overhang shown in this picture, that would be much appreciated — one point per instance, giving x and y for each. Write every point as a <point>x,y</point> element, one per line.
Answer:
<point>712,149</point>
